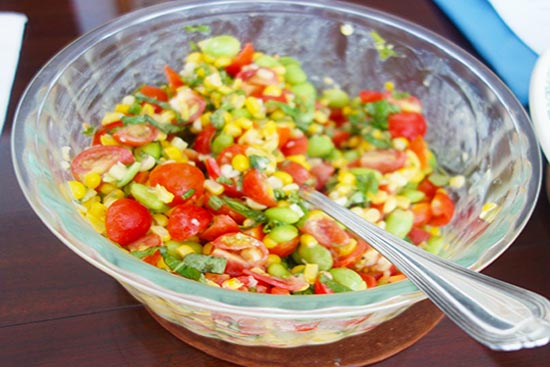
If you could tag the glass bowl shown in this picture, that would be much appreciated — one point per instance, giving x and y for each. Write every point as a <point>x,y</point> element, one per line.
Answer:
<point>475,126</point>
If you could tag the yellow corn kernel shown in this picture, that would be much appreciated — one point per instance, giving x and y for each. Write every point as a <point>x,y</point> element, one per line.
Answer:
<point>240,162</point>
<point>207,248</point>
<point>434,231</point>
<point>122,108</point>
<point>389,205</point>
<point>232,129</point>
<point>161,264</point>
<point>269,243</point>
<point>194,57</point>
<point>111,117</point>
<point>403,202</point>
<point>354,141</point>
<point>166,117</point>
<point>308,240</point>
<point>285,178</point>
<point>400,143</point>
<point>349,248</point>
<point>298,269</point>
<point>488,211</point>
<point>255,107</point>
<point>77,189</point>
<point>160,219</point>
<point>148,109</point>
<point>161,232</point>
<point>378,198</point>
<point>269,129</point>
<point>92,180</point>
<point>185,250</point>
<point>106,188</point>
<point>320,117</point>
<point>97,223</point>
<point>346,178</point>
<point>300,159</point>
<point>91,201</point>
<point>232,283</point>
<point>273,259</point>
<point>389,86</point>
<point>277,115</point>
<point>107,139</point>
<point>113,196</point>
<point>272,90</point>
<point>175,154</point>
<point>213,187</point>
<point>310,272</point>
<point>244,123</point>
<point>457,181</point>
<point>315,129</point>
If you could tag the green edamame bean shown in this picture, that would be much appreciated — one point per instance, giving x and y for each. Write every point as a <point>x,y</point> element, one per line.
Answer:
<point>336,98</point>
<point>294,74</point>
<point>348,278</point>
<point>283,233</point>
<point>241,112</point>
<point>288,60</point>
<point>434,244</point>
<point>267,61</point>
<point>304,91</point>
<point>316,254</point>
<point>221,142</point>
<point>319,146</point>
<point>278,270</point>
<point>399,222</point>
<point>172,246</point>
<point>283,215</point>
<point>413,195</point>
<point>220,46</point>
<point>144,195</point>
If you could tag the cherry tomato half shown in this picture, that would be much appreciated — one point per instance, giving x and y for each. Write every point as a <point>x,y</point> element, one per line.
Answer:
<point>295,146</point>
<point>190,104</point>
<point>154,92</point>
<point>127,221</point>
<point>385,161</point>
<point>221,224</point>
<point>443,209</point>
<point>136,135</point>
<point>203,140</point>
<point>325,230</point>
<point>406,124</point>
<point>99,159</point>
<point>187,220</point>
<point>255,187</point>
<point>241,252</point>
<point>299,173</point>
<point>244,57</point>
<point>173,77</point>
<point>179,178</point>
<point>290,283</point>
<point>105,129</point>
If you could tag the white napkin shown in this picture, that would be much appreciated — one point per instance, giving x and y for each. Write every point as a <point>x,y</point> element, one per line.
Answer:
<point>12,26</point>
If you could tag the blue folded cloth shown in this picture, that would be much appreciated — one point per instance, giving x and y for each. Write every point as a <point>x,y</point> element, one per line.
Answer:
<point>509,57</point>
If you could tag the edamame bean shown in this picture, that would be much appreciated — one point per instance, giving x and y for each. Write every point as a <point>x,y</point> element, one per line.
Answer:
<point>319,146</point>
<point>283,233</point>
<point>266,61</point>
<point>413,195</point>
<point>221,142</point>
<point>336,98</point>
<point>278,270</point>
<point>399,222</point>
<point>172,246</point>
<point>434,244</point>
<point>316,254</point>
<point>220,46</point>
<point>294,74</point>
<point>282,214</point>
<point>305,91</point>
<point>288,60</point>
<point>348,278</point>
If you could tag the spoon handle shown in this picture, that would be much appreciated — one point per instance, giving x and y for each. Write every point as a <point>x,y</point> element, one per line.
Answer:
<point>496,314</point>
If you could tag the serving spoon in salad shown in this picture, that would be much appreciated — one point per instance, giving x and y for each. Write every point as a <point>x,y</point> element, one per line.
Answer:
<point>497,314</point>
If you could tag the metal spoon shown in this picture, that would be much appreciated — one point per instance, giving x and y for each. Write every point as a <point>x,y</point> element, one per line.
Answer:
<point>496,314</point>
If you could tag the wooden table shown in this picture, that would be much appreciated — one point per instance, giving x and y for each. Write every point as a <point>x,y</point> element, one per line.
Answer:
<point>56,310</point>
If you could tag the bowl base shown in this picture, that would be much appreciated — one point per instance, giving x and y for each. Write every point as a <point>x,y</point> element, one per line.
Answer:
<point>374,346</point>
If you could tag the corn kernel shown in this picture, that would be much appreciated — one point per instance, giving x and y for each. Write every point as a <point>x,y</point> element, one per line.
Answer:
<point>298,269</point>
<point>160,219</point>
<point>400,143</point>
<point>161,264</point>
<point>166,117</point>
<point>195,57</point>
<point>78,190</point>
<point>97,210</point>
<point>389,86</point>
<point>92,180</point>
<point>269,243</point>
<point>175,154</point>
<point>240,162</point>
<point>213,187</point>
<point>184,250</point>
<point>389,205</point>
<point>403,202</point>
<point>300,159</point>
<point>112,197</point>
<point>107,139</point>
<point>122,108</point>
<point>457,181</point>
<point>346,178</point>
<point>106,188</point>
<point>111,117</point>
<point>308,240</point>
<point>273,259</point>
<point>244,123</point>
<point>232,283</point>
<point>232,129</point>
<point>255,107</point>
<point>379,197</point>
<point>148,109</point>
<point>349,248</point>
<point>207,248</point>
<point>315,129</point>
<point>273,91</point>
<point>310,272</point>
<point>489,211</point>
<point>284,177</point>
<point>161,232</point>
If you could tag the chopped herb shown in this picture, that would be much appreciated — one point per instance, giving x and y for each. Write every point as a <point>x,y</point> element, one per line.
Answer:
<point>179,267</point>
<point>197,28</point>
<point>164,105</point>
<point>224,180</point>
<point>165,128</point>
<point>385,50</point>
<point>89,131</point>
<point>144,253</point>
<point>379,112</point>
<point>217,119</point>
<point>186,195</point>
<point>238,206</point>
<point>215,202</point>
<point>382,143</point>
<point>259,162</point>
<point>205,263</point>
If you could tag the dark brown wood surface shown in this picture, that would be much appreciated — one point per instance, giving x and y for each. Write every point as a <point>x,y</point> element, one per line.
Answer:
<point>56,310</point>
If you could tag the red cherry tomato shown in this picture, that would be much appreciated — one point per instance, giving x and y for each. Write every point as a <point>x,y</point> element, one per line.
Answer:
<point>241,252</point>
<point>325,230</point>
<point>203,140</point>
<point>187,220</point>
<point>244,57</point>
<point>385,161</point>
<point>295,146</point>
<point>255,187</point>
<point>428,188</point>
<point>322,172</point>
<point>284,133</point>
<point>154,92</point>
<point>321,288</point>
<point>105,129</point>
<point>353,257</point>
<point>227,154</point>
<point>255,79</point>
<point>136,135</point>
<point>419,146</point>
<point>173,77</point>
<point>221,224</point>
<point>153,259</point>
<point>290,283</point>
<point>443,209</point>
<point>299,173</point>
<point>126,221</point>
<point>422,213</point>
<point>406,124</point>
<point>368,96</point>
<point>284,249</point>
<point>340,137</point>
<point>257,232</point>
<point>369,279</point>
<point>99,158</point>
<point>145,242</point>
<point>418,235</point>
<point>179,178</point>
